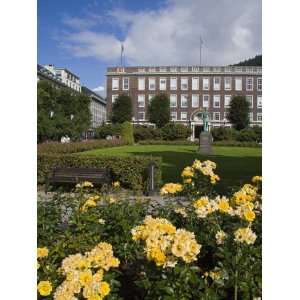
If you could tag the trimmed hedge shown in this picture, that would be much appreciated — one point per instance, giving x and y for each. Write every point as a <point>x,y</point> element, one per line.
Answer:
<point>237,144</point>
<point>131,171</point>
<point>164,142</point>
<point>59,148</point>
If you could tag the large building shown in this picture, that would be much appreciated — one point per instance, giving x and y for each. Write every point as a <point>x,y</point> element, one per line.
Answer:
<point>67,77</point>
<point>190,89</point>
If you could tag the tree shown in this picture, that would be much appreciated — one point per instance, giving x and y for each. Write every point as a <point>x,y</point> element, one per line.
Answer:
<point>159,110</point>
<point>122,110</point>
<point>127,133</point>
<point>238,114</point>
<point>255,61</point>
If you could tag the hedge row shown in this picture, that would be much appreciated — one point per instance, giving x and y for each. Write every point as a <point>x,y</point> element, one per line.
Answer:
<point>131,171</point>
<point>237,144</point>
<point>59,148</point>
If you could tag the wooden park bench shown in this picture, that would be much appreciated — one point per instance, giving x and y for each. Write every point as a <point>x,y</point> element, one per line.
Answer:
<point>77,175</point>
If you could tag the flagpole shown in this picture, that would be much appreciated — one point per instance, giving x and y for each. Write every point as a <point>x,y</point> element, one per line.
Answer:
<point>200,50</point>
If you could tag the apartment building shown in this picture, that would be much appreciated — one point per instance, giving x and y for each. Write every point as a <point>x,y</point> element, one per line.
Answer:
<point>190,89</point>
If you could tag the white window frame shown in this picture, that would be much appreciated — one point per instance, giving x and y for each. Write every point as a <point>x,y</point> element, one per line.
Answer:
<point>139,102</point>
<point>173,83</point>
<point>227,85</point>
<point>161,86</point>
<point>250,102</point>
<point>115,84</point>
<point>226,105</point>
<point>259,102</point>
<point>141,87</point>
<point>214,101</point>
<point>208,99</point>
<point>206,80</point>
<point>235,83</point>
<point>259,84</point>
<point>181,100</point>
<point>183,113</point>
<point>141,112</point>
<point>150,96</point>
<point>214,116</point>
<point>152,80</point>
<point>217,86</point>
<point>195,97</point>
<point>125,89</point>
<point>195,83</point>
<point>257,115</point>
<point>174,96</point>
<point>251,116</point>
<point>113,98</point>
<point>250,84</point>
<point>182,83</point>
<point>173,115</point>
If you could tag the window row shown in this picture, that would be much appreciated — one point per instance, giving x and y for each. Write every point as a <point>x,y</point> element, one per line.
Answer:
<point>195,103</point>
<point>195,81</point>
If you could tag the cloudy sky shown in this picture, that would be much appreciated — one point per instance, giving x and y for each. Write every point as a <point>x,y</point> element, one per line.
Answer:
<point>86,35</point>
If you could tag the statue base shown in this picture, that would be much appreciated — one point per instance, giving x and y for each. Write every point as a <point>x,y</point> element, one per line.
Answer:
<point>205,142</point>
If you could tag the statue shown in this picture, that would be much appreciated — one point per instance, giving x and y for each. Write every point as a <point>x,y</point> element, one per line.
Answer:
<point>205,139</point>
<point>204,115</point>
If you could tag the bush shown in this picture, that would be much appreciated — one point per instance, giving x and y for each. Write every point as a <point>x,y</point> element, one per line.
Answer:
<point>56,147</point>
<point>131,171</point>
<point>164,142</point>
<point>236,144</point>
<point>108,130</point>
<point>127,133</point>
<point>249,135</point>
<point>142,133</point>
<point>223,134</point>
<point>175,131</point>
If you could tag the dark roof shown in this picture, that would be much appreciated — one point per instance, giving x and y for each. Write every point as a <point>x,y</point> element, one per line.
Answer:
<point>91,93</point>
<point>46,73</point>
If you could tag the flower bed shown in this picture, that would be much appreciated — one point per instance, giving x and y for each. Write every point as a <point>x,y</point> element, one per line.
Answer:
<point>97,246</point>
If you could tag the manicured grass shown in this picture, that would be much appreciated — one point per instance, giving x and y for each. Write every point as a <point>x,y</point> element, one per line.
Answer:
<point>235,165</point>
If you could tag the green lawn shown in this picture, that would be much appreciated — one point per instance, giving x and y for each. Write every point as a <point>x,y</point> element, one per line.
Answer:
<point>235,165</point>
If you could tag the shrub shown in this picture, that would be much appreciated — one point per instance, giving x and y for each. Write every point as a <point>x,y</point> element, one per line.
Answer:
<point>237,144</point>
<point>175,131</point>
<point>131,171</point>
<point>127,133</point>
<point>248,135</point>
<point>223,134</point>
<point>142,133</point>
<point>56,147</point>
<point>164,142</point>
<point>108,130</point>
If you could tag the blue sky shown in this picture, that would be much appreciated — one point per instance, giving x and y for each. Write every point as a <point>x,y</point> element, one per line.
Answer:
<point>85,36</point>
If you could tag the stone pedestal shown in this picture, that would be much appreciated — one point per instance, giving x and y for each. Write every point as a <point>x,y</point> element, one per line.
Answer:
<point>205,142</point>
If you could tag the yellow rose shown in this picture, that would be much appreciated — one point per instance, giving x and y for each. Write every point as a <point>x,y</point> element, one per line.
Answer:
<point>104,289</point>
<point>223,206</point>
<point>249,215</point>
<point>85,277</point>
<point>42,252</point>
<point>44,288</point>
<point>116,184</point>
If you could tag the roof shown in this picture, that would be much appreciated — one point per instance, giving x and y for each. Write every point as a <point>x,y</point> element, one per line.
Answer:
<point>65,69</point>
<point>92,94</point>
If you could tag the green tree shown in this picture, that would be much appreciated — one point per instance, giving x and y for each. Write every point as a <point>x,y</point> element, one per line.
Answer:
<point>122,110</point>
<point>238,113</point>
<point>159,110</point>
<point>127,133</point>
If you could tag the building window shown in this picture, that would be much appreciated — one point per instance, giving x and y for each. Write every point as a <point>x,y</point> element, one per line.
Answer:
<point>216,101</point>
<point>173,83</point>
<point>184,83</point>
<point>125,83</point>
<point>238,84</point>
<point>195,101</point>
<point>173,115</point>
<point>152,70</point>
<point>150,97</point>
<point>162,84</point>
<point>249,98</point>
<point>217,83</point>
<point>227,99</point>
<point>152,84</point>
<point>115,83</point>
<point>173,100</point>
<point>251,117</point>
<point>227,83</point>
<point>141,84</point>
<point>184,69</point>
<point>206,101</point>
<point>162,69</point>
<point>205,84</point>
<point>141,116</point>
<point>141,100</point>
<point>249,84</point>
<point>259,84</point>
<point>259,117</point>
<point>173,69</point>
<point>216,116</point>
<point>195,83</point>
<point>183,116</point>
<point>259,102</point>
<point>113,98</point>
<point>184,100</point>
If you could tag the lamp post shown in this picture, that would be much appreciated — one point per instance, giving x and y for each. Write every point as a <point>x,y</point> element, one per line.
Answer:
<point>51,114</point>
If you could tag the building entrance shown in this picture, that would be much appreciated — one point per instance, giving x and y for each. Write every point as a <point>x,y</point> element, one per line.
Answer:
<point>198,130</point>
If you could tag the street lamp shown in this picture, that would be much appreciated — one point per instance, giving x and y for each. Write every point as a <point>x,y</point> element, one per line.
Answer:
<point>71,117</point>
<point>51,114</point>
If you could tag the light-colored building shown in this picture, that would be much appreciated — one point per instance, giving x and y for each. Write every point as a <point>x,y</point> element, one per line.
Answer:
<point>67,77</point>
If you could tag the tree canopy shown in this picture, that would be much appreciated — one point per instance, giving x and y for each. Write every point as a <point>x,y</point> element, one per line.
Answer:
<point>238,113</point>
<point>255,61</point>
<point>122,110</point>
<point>159,110</point>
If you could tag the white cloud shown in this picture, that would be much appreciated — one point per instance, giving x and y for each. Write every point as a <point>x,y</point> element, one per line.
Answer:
<point>100,90</point>
<point>231,30</point>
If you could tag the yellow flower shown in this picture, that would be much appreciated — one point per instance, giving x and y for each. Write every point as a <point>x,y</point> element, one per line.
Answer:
<point>181,211</point>
<point>220,237</point>
<point>111,199</point>
<point>84,184</point>
<point>88,203</point>
<point>42,252</point>
<point>101,221</point>
<point>187,180</point>
<point>104,289</point>
<point>116,184</point>
<point>249,215</point>
<point>223,205</point>
<point>187,172</point>
<point>203,201</point>
<point>245,235</point>
<point>171,188</point>
<point>85,277</point>
<point>44,288</point>
<point>256,179</point>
